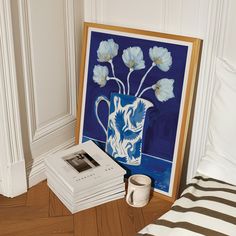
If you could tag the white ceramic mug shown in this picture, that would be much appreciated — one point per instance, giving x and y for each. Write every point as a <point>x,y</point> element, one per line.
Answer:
<point>138,193</point>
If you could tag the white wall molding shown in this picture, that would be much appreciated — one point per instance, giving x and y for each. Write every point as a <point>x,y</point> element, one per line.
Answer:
<point>12,164</point>
<point>27,68</point>
<point>89,9</point>
<point>173,13</point>
<point>70,18</point>
<point>70,117</point>
<point>38,131</point>
<point>36,168</point>
<point>47,129</point>
<point>53,126</point>
<point>99,11</point>
<point>212,47</point>
<point>164,16</point>
<point>93,10</point>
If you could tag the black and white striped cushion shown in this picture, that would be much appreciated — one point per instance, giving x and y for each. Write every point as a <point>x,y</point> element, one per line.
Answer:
<point>206,207</point>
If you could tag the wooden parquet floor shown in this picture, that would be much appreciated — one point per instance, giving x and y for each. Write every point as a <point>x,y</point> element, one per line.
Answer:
<point>40,212</point>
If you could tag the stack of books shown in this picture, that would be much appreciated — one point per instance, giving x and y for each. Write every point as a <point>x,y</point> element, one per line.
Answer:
<point>84,176</point>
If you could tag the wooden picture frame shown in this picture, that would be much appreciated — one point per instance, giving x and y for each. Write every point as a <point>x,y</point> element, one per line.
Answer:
<point>135,96</point>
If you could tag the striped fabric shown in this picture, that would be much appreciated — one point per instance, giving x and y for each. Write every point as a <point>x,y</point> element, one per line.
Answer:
<point>206,207</point>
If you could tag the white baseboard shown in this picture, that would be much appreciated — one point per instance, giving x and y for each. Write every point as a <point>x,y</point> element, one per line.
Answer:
<point>35,170</point>
<point>13,182</point>
<point>16,177</point>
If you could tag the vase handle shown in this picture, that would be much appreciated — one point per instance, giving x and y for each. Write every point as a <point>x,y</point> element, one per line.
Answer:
<point>97,102</point>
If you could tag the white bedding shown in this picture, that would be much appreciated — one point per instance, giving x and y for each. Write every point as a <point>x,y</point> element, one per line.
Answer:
<point>206,207</point>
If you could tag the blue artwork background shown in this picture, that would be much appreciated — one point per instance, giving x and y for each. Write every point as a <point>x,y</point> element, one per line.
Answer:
<point>161,120</point>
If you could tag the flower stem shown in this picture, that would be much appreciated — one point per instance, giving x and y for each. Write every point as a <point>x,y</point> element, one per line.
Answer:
<point>118,81</point>
<point>128,85</point>
<point>146,89</point>
<point>142,80</point>
<point>113,73</point>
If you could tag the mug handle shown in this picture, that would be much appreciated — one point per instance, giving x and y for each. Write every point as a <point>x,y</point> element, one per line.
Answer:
<point>97,102</point>
<point>130,197</point>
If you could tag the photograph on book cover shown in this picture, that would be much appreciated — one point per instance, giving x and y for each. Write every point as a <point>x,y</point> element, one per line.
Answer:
<point>81,161</point>
<point>135,97</point>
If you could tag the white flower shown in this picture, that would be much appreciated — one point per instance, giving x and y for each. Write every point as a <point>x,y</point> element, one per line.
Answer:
<point>161,57</point>
<point>100,75</point>
<point>107,50</point>
<point>164,89</point>
<point>133,58</point>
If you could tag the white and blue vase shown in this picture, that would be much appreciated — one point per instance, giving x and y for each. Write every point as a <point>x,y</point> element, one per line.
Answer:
<point>125,126</point>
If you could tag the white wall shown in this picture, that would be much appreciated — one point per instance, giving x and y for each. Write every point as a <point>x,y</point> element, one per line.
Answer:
<point>229,49</point>
<point>177,17</point>
<point>47,39</point>
<point>205,19</point>
<point>47,45</point>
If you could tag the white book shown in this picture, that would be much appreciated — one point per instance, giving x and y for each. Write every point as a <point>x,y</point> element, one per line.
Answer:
<point>81,194</point>
<point>93,198</point>
<point>109,189</point>
<point>83,167</point>
<point>73,208</point>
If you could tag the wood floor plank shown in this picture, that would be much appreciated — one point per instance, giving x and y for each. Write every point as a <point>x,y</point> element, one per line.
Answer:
<point>32,205</point>
<point>40,212</point>
<point>154,209</point>
<point>38,199</point>
<point>62,226</point>
<point>33,194</point>
<point>108,220</point>
<point>23,213</point>
<point>85,223</point>
<point>13,202</point>
<point>56,207</point>
<point>131,218</point>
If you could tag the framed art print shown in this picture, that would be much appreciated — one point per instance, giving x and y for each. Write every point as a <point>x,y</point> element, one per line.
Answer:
<point>135,97</point>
